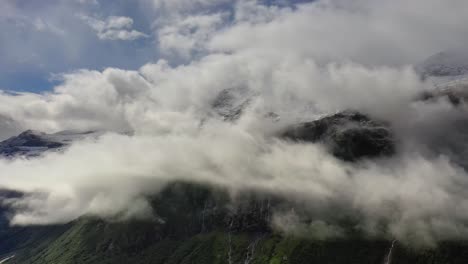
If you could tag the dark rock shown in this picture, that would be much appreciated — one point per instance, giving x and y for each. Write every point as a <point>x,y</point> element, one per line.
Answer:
<point>443,64</point>
<point>230,103</point>
<point>349,135</point>
<point>456,94</point>
<point>448,72</point>
<point>30,143</point>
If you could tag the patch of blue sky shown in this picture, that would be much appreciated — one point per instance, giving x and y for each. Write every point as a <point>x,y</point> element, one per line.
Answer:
<point>42,38</point>
<point>39,40</point>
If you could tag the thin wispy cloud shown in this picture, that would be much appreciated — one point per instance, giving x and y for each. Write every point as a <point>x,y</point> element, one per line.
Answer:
<point>114,28</point>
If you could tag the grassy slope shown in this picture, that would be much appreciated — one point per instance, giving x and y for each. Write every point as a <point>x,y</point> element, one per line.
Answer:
<point>88,242</point>
<point>196,227</point>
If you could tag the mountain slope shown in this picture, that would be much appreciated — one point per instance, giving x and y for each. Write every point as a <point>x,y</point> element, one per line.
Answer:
<point>446,63</point>
<point>196,223</point>
<point>193,232</point>
<point>348,135</point>
<point>32,143</point>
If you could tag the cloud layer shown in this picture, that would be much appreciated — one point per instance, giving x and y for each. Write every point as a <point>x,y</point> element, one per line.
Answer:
<point>300,62</point>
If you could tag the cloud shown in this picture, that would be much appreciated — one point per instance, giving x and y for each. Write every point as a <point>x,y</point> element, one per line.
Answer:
<point>301,62</point>
<point>165,106</point>
<point>290,223</point>
<point>42,26</point>
<point>183,35</point>
<point>120,100</point>
<point>114,28</point>
<point>47,38</point>
<point>188,35</point>
<point>88,2</point>
<point>11,14</point>
<point>412,195</point>
<point>365,31</point>
<point>178,6</point>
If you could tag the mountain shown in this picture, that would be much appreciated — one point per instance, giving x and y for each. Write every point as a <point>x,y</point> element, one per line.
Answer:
<point>198,223</point>
<point>446,68</point>
<point>204,224</point>
<point>446,63</point>
<point>448,71</point>
<point>230,103</point>
<point>32,143</point>
<point>349,135</point>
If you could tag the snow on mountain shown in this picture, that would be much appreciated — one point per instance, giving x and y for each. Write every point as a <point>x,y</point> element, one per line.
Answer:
<point>230,103</point>
<point>349,135</point>
<point>32,143</point>
<point>446,63</point>
<point>446,68</point>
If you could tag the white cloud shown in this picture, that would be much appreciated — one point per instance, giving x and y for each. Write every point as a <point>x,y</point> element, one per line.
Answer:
<point>44,26</point>
<point>301,63</point>
<point>177,6</point>
<point>415,194</point>
<point>114,28</point>
<point>165,106</point>
<point>88,2</point>
<point>189,34</point>
<point>369,32</point>
<point>253,12</point>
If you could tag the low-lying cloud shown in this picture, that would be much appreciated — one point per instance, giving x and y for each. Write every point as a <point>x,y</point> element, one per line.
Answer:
<point>297,63</point>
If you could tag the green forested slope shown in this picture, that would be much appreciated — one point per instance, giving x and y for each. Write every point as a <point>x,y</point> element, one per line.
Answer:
<point>196,224</point>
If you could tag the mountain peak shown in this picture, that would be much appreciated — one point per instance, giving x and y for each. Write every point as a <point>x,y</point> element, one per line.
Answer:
<point>31,132</point>
<point>349,135</point>
<point>446,63</point>
<point>31,143</point>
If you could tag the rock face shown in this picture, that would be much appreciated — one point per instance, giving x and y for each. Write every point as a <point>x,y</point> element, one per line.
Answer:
<point>455,91</point>
<point>28,143</point>
<point>32,143</point>
<point>230,103</point>
<point>448,72</point>
<point>446,63</point>
<point>348,135</point>
<point>455,94</point>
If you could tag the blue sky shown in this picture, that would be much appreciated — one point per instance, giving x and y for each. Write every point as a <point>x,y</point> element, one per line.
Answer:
<point>39,39</point>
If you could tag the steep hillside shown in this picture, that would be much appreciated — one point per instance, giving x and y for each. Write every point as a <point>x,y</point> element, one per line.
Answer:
<point>198,223</point>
